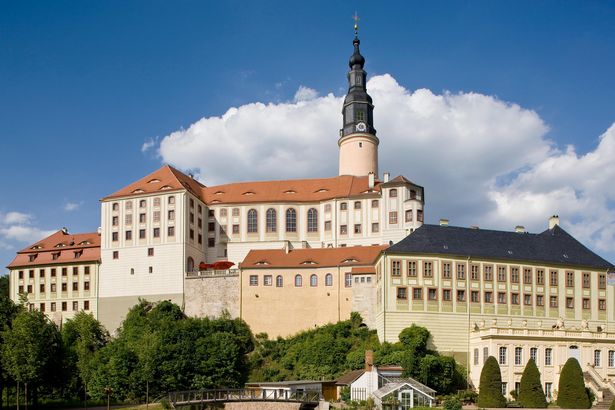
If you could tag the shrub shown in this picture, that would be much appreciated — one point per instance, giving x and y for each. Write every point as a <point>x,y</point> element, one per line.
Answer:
<point>612,406</point>
<point>571,390</point>
<point>530,391</point>
<point>490,388</point>
<point>452,403</point>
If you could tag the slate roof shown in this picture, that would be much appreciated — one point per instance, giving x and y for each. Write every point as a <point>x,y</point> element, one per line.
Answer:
<point>553,246</point>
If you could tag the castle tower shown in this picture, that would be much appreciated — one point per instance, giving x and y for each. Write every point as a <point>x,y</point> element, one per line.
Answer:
<point>358,142</point>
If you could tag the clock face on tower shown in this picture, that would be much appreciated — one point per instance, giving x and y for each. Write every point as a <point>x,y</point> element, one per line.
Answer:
<point>361,127</point>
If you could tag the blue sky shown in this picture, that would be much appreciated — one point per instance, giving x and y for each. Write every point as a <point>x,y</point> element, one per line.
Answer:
<point>84,84</point>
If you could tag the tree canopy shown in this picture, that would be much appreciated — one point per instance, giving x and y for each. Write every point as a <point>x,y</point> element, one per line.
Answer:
<point>571,393</point>
<point>531,393</point>
<point>490,388</point>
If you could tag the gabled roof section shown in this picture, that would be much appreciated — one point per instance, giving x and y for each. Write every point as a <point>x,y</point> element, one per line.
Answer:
<point>399,180</point>
<point>292,190</point>
<point>162,180</point>
<point>348,378</point>
<point>322,257</point>
<point>60,247</point>
<point>553,246</point>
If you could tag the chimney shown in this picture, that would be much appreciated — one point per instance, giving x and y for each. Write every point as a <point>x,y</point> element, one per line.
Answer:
<point>287,247</point>
<point>99,231</point>
<point>387,176</point>
<point>554,220</point>
<point>443,222</point>
<point>65,230</point>
<point>369,360</point>
<point>370,181</point>
<point>474,227</point>
<point>520,229</point>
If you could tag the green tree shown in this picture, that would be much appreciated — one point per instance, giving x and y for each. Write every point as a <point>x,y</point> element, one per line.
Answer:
<point>490,388</point>
<point>531,393</point>
<point>29,349</point>
<point>571,392</point>
<point>441,373</point>
<point>414,341</point>
<point>8,310</point>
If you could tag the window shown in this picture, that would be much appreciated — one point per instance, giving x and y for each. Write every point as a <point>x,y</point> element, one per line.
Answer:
<point>611,358</point>
<point>348,280</point>
<point>540,300</point>
<point>298,281</point>
<point>586,303</point>
<point>357,204</point>
<point>279,281</point>
<point>548,356</point>
<point>461,271</point>
<point>53,272</point>
<point>75,286</point>
<point>549,391</point>
<point>343,229</point>
<point>419,215</point>
<point>128,205</point>
<point>29,288</point>
<point>540,277</point>
<point>597,358</point>
<point>115,206</point>
<point>501,273</point>
<point>128,235</point>
<point>488,297</point>
<point>446,295</point>
<point>327,226</point>
<point>504,389</point>
<point>432,294</point>
<point>235,212</point>
<point>252,221</point>
<point>393,217</point>
<point>396,268</point>
<point>446,270</point>
<point>141,218</point>
<point>553,278</point>
<point>211,242</point>
<point>235,229</point>
<point>569,303</point>
<point>156,233</point>
<point>412,268</point>
<point>114,221</point>
<point>409,215</point>
<point>527,276</point>
<point>53,306</point>
<point>223,212</point>
<point>267,280</point>
<point>171,215</point>
<point>343,206</point>
<point>76,270</point>
<point>401,293</point>
<point>570,279</point>
<point>272,220</point>
<point>601,304</point>
<point>514,298</point>
<point>75,306</point>
<point>476,357</point>
<point>86,285</point>
<point>150,251</point>
<point>191,203</point>
<point>502,298</point>
<point>41,273</point>
<point>527,299</point>
<point>86,270</point>
<point>586,280</point>
<point>86,305</point>
<point>64,306</point>
<point>190,264</point>
<point>553,301</point>
<point>312,220</point>
<point>514,275</point>
<point>328,279</point>
<point>253,280</point>
<point>602,281</point>
<point>357,228</point>
<point>475,296</point>
<point>417,293</point>
<point>64,271</point>
<point>116,254</point>
<point>375,227</point>
<point>502,356</point>
<point>375,203</point>
<point>485,354</point>
<point>191,218</point>
<point>461,296</point>
<point>114,236</point>
<point>291,220</point>
<point>427,269</point>
<point>313,280</point>
<point>142,203</point>
<point>141,233</point>
<point>157,201</point>
<point>534,354</point>
<point>171,231</point>
<point>474,274</point>
<point>393,193</point>
<point>488,273</point>
<point>42,288</point>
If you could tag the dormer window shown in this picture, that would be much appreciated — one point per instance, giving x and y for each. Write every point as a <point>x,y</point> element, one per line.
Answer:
<point>215,201</point>
<point>32,257</point>
<point>349,260</point>
<point>138,191</point>
<point>55,256</point>
<point>262,262</point>
<point>60,245</point>
<point>290,191</point>
<point>308,262</point>
<point>36,247</point>
<point>218,192</point>
<point>78,254</point>
<point>84,243</point>
<point>153,181</point>
<point>322,190</point>
<point>164,187</point>
<point>248,193</point>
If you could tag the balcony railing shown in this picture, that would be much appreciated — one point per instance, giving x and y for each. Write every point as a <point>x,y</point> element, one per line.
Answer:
<point>212,273</point>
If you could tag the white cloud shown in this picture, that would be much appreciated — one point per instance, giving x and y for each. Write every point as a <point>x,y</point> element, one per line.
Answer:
<point>149,144</point>
<point>72,206</point>
<point>305,94</point>
<point>482,160</point>
<point>13,217</point>
<point>18,227</point>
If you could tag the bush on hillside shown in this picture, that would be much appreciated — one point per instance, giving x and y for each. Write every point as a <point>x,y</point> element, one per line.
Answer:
<point>490,388</point>
<point>530,391</point>
<point>571,391</point>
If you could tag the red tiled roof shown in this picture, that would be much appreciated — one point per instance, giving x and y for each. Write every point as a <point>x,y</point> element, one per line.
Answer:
<point>62,246</point>
<point>362,270</point>
<point>312,257</point>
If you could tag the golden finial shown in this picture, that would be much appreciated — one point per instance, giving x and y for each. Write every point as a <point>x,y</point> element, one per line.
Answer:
<point>356,23</point>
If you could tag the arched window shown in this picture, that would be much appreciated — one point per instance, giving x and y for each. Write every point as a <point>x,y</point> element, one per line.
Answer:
<point>291,220</point>
<point>252,221</point>
<point>279,281</point>
<point>190,264</point>
<point>329,280</point>
<point>272,217</point>
<point>313,280</point>
<point>312,220</point>
<point>298,281</point>
<point>393,193</point>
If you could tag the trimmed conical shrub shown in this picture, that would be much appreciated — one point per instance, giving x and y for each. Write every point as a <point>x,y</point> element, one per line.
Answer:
<point>490,389</point>
<point>571,392</point>
<point>531,394</point>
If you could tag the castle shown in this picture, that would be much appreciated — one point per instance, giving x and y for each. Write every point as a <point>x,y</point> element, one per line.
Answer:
<point>289,255</point>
